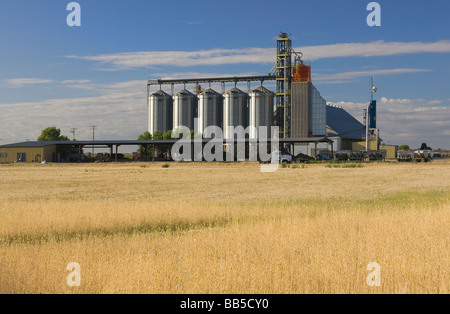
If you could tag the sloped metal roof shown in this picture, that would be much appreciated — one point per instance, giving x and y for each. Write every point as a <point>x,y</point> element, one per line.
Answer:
<point>209,91</point>
<point>32,144</point>
<point>233,91</point>
<point>344,124</point>
<point>160,93</point>
<point>262,90</point>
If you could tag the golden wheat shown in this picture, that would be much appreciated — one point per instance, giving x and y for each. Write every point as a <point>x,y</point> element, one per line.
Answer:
<point>224,228</point>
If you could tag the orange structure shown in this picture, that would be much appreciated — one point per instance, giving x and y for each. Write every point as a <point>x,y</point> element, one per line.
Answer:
<point>302,73</point>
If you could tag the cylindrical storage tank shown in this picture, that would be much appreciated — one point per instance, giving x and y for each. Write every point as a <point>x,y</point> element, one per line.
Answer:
<point>235,111</point>
<point>261,112</point>
<point>160,112</point>
<point>184,109</point>
<point>210,109</point>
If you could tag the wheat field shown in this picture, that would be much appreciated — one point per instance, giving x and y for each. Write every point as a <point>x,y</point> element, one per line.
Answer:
<point>224,228</point>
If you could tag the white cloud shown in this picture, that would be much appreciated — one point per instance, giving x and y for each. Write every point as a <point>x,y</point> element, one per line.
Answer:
<point>373,49</point>
<point>347,77</point>
<point>194,22</point>
<point>21,82</point>
<point>120,111</point>
<point>149,59</point>
<point>409,121</point>
<point>183,58</point>
<point>76,82</point>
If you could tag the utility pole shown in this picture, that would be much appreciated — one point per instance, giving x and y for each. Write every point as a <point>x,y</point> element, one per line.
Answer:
<point>93,128</point>
<point>73,130</point>
<point>373,90</point>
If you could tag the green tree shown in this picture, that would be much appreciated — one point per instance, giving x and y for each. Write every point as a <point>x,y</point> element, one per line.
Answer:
<point>157,135</point>
<point>51,134</point>
<point>403,147</point>
<point>166,148</point>
<point>145,151</point>
<point>167,135</point>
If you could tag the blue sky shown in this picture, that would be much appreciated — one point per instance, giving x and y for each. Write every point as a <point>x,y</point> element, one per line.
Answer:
<point>52,74</point>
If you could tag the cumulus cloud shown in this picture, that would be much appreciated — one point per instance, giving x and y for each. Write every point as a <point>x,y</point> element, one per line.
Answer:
<point>120,112</point>
<point>213,57</point>
<point>409,121</point>
<point>118,109</point>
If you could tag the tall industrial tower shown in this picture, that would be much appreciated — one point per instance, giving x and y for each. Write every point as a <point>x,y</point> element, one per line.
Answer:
<point>283,76</point>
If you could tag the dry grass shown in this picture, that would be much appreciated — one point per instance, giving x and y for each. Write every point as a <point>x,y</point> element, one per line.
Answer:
<point>224,228</point>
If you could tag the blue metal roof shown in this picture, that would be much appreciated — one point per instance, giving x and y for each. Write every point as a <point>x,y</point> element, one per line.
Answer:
<point>344,124</point>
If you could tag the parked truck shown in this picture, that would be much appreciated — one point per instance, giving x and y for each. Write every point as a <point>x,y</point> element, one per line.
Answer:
<point>424,153</point>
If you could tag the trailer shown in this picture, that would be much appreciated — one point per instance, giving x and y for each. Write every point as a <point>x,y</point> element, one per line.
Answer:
<point>423,155</point>
<point>405,156</point>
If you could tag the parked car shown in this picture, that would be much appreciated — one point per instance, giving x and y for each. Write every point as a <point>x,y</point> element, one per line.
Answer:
<point>280,157</point>
<point>323,156</point>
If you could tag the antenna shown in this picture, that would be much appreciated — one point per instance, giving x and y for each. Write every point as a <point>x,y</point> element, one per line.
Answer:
<point>373,89</point>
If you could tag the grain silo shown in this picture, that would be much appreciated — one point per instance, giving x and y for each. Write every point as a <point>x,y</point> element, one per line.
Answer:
<point>210,109</point>
<point>184,109</point>
<point>160,112</point>
<point>235,111</point>
<point>261,112</point>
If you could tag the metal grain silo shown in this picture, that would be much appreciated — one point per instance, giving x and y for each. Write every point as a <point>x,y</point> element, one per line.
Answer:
<point>235,111</point>
<point>160,112</point>
<point>261,112</point>
<point>184,109</point>
<point>210,109</point>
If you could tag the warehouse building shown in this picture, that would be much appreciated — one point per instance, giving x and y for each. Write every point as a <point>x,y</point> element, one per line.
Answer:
<point>28,152</point>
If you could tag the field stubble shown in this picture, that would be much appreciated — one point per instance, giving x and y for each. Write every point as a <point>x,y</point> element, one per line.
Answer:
<point>224,228</point>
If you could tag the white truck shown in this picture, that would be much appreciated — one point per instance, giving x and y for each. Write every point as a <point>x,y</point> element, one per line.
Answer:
<point>282,158</point>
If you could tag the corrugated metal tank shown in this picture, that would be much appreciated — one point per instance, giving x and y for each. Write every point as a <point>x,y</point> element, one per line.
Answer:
<point>184,109</point>
<point>210,109</point>
<point>300,109</point>
<point>160,112</point>
<point>235,111</point>
<point>261,111</point>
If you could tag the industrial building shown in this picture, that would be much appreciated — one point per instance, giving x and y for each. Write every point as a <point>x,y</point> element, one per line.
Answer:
<point>307,125</point>
<point>296,106</point>
<point>28,152</point>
